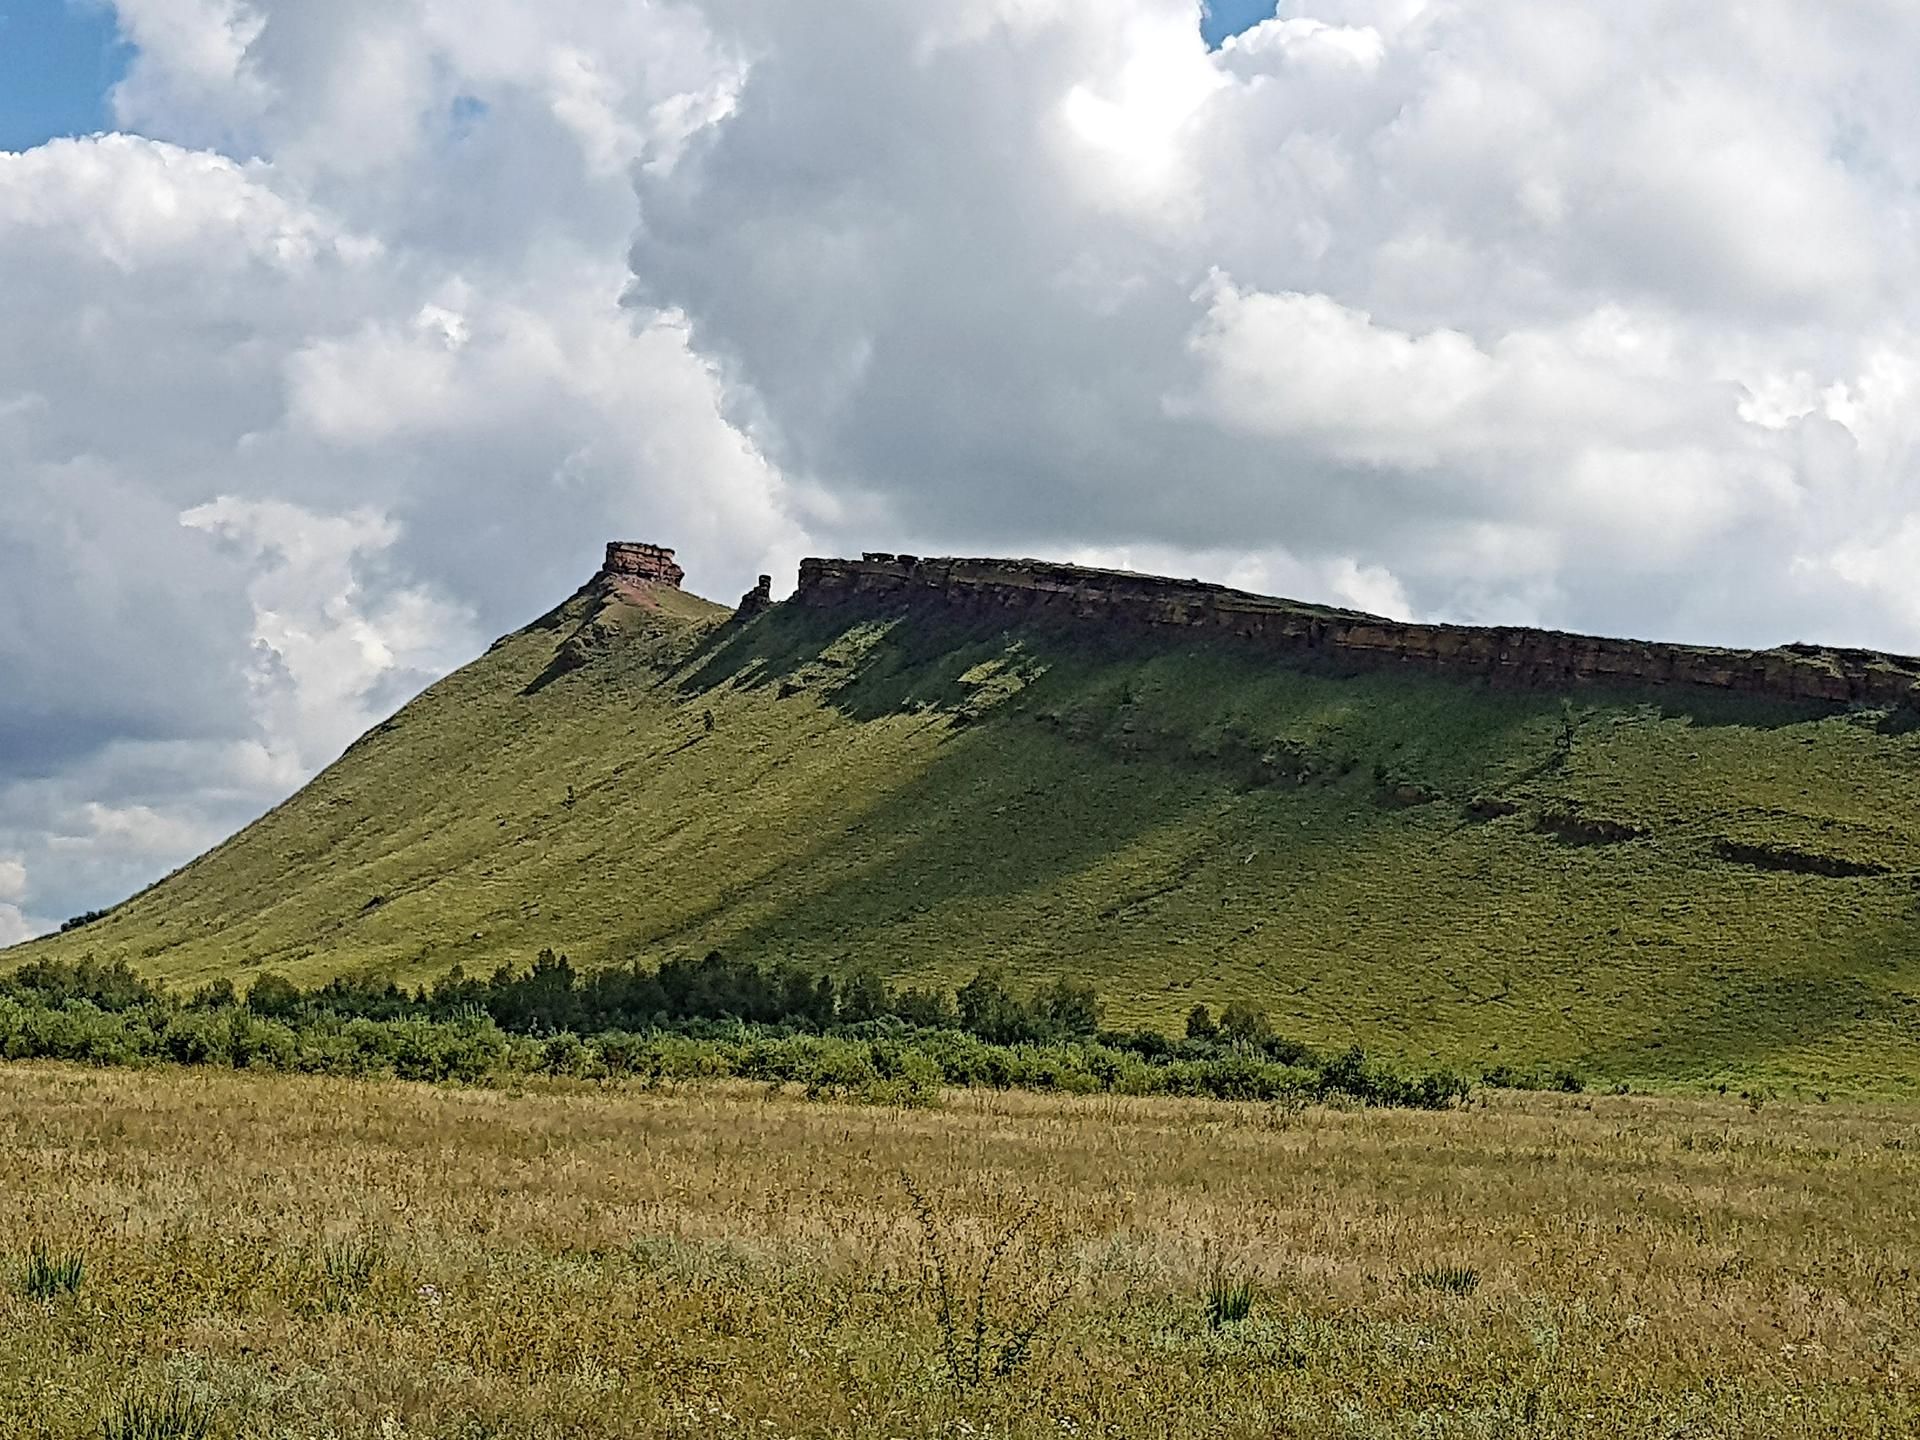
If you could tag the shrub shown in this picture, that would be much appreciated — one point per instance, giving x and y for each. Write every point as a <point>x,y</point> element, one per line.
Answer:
<point>623,1053</point>
<point>197,1038</point>
<point>473,1031</point>
<point>108,987</point>
<point>903,1077</point>
<point>987,1008</point>
<point>990,1308</point>
<point>1067,1009</point>
<point>863,997</point>
<point>566,1054</point>
<point>840,1068</point>
<point>257,1044</point>
<point>680,1057</point>
<point>273,995</point>
<point>1351,1075</point>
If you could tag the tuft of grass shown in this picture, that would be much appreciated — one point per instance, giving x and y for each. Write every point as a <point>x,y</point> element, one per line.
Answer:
<point>1229,1299</point>
<point>349,1270</point>
<point>48,1275</point>
<point>174,1415</point>
<point>1447,1279</point>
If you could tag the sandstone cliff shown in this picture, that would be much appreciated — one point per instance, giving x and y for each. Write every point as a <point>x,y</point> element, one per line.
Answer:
<point>636,560</point>
<point>1079,594</point>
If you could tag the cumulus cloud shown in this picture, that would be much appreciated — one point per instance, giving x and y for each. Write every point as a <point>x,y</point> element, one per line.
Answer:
<point>1538,311</point>
<point>14,925</point>
<point>382,314</point>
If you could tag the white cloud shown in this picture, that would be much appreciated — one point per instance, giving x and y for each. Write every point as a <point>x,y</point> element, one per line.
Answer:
<point>15,927</point>
<point>136,830</point>
<point>14,924</point>
<point>139,204</point>
<point>328,658</point>
<point>1374,284</point>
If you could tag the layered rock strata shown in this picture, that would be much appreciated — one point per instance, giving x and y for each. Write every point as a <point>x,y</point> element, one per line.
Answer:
<point>636,560</point>
<point>1039,589</point>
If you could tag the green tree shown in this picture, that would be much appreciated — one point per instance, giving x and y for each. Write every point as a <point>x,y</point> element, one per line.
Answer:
<point>274,996</point>
<point>1244,1024</point>
<point>1068,1008</point>
<point>992,1011</point>
<point>863,997</point>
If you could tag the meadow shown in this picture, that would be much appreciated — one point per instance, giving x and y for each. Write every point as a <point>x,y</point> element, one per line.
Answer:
<point>191,1252</point>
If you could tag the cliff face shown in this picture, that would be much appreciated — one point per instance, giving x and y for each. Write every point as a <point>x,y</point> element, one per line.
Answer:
<point>1284,627</point>
<point>636,560</point>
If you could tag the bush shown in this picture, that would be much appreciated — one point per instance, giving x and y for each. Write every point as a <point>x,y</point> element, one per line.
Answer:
<point>197,1038</point>
<point>839,1068</point>
<point>566,1054</point>
<point>274,995</point>
<point>1067,1009</point>
<point>257,1044</point>
<point>904,1077</point>
<point>108,987</point>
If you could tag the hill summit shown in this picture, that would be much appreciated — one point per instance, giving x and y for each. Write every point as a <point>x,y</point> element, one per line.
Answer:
<point>1483,846</point>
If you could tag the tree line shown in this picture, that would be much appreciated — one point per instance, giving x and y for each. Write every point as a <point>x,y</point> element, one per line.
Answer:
<point>611,1021</point>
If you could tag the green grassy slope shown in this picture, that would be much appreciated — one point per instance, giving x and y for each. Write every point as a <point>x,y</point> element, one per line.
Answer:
<point>1647,886</point>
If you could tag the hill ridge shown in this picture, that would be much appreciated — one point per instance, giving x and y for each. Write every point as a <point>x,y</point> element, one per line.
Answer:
<point>1470,856</point>
<point>1045,589</point>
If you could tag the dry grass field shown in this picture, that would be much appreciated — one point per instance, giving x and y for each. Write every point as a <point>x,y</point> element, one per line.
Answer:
<point>277,1257</point>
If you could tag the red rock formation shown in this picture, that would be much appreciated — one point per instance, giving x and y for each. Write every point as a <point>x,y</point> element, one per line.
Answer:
<point>1545,657</point>
<point>636,560</point>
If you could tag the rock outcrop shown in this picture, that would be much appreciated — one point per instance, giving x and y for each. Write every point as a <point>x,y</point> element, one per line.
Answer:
<point>1039,589</point>
<point>637,560</point>
<point>755,600</point>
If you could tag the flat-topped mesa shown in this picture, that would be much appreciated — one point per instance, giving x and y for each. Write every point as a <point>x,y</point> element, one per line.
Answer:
<point>637,560</point>
<point>1081,595</point>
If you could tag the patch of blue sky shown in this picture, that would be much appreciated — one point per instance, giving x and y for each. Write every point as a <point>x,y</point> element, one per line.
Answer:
<point>465,114</point>
<point>59,60</point>
<point>1221,18</point>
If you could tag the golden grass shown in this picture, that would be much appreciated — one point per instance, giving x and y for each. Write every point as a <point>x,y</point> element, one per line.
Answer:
<point>313,1258</point>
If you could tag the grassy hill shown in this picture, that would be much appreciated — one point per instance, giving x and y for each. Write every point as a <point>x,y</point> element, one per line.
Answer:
<point>1658,886</point>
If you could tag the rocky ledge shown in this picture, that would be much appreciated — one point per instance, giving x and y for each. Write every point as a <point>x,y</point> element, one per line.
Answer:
<point>635,560</point>
<point>1082,595</point>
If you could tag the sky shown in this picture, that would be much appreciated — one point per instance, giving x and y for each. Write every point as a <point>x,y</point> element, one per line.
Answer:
<point>58,61</point>
<point>335,340</point>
